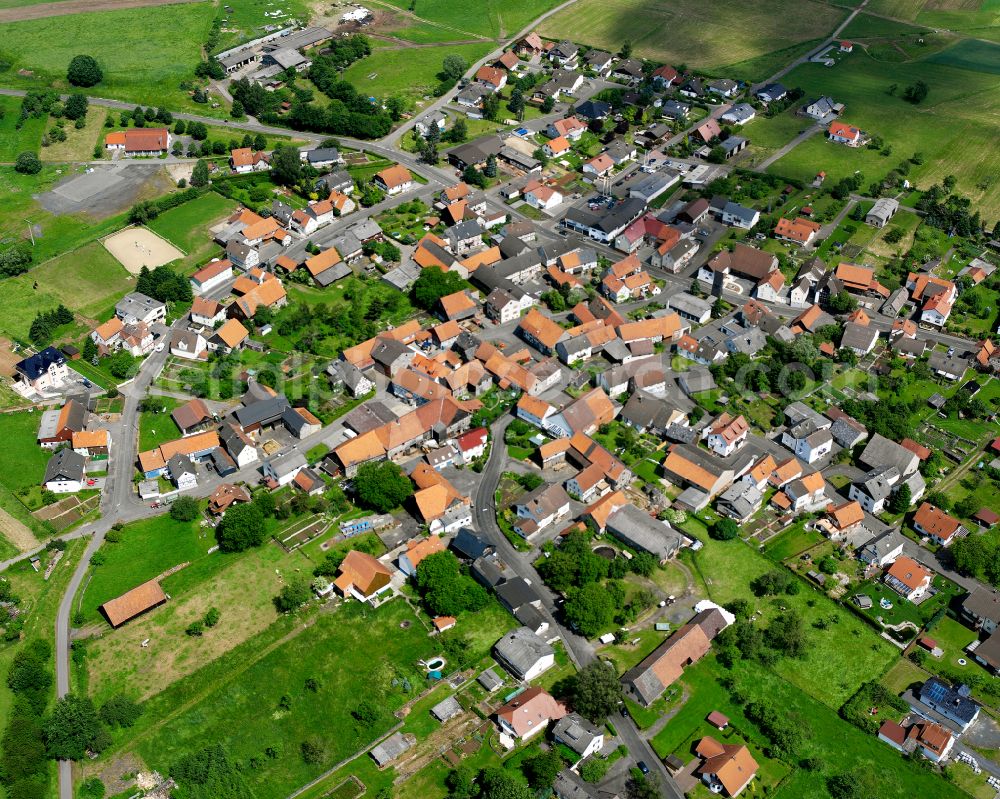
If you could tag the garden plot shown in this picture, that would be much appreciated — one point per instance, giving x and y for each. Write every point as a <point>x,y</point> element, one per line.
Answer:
<point>136,247</point>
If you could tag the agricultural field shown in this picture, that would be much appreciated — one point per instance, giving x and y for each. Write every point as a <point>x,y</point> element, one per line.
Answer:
<point>709,36</point>
<point>88,281</point>
<point>494,19</point>
<point>410,72</point>
<point>153,50</point>
<point>959,115</point>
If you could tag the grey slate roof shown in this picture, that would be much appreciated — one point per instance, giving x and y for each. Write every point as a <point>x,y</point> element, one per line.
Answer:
<point>65,465</point>
<point>638,529</point>
<point>520,649</point>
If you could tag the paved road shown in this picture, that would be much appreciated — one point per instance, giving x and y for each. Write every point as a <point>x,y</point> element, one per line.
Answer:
<point>580,650</point>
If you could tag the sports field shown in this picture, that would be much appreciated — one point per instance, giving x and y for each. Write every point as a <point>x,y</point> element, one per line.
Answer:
<point>144,52</point>
<point>954,128</point>
<point>698,34</point>
<point>136,247</point>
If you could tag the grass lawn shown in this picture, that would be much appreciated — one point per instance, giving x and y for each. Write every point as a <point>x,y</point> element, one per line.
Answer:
<point>956,117</point>
<point>19,433</point>
<point>354,653</point>
<point>158,428</point>
<point>411,72</point>
<point>186,226</point>
<point>840,746</point>
<point>902,675</point>
<point>148,548</point>
<point>703,36</point>
<point>151,51</point>
<point>54,235</point>
<point>791,542</point>
<point>88,281</point>
<point>241,586</point>
<point>840,657</point>
<point>13,142</point>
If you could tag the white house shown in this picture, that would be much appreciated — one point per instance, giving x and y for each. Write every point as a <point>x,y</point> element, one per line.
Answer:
<point>727,434</point>
<point>283,469</point>
<point>65,472</point>
<point>211,276</point>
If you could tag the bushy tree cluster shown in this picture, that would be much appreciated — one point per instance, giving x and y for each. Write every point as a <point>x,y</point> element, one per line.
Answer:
<point>209,774</point>
<point>382,486</point>
<point>24,770</point>
<point>432,285</point>
<point>84,71</point>
<point>44,324</point>
<point>445,589</point>
<point>163,284</point>
<point>241,527</point>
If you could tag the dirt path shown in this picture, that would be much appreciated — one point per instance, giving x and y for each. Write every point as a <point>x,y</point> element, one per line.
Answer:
<point>17,532</point>
<point>65,7</point>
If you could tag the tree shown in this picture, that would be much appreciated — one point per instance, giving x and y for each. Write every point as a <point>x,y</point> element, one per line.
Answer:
<point>445,590</point>
<point>212,617</point>
<point>28,164</point>
<point>900,501</point>
<point>286,166</point>
<point>459,131</point>
<point>916,92</point>
<point>241,527</point>
<point>843,302</point>
<point>89,349</point>
<point>432,285</point>
<point>490,170</point>
<point>184,509</point>
<point>626,51</point>
<point>84,71</point>
<point>724,530</point>
<point>542,769</point>
<point>597,691</point>
<point>453,67</point>
<point>516,103</point>
<point>237,111</point>
<point>199,175</point>
<point>642,786</point>
<point>292,596</point>
<point>74,728</point>
<point>313,751</point>
<point>382,486</point>
<point>500,783</point>
<point>548,104</point>
<point>589,609</point>
<point>195,629</point>
<point>76,106</point>
<point>967,507</point>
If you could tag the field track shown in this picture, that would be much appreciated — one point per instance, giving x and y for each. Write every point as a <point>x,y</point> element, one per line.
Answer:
<point>66,7</point>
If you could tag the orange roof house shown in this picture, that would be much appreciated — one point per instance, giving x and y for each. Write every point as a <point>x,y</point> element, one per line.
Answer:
<point>847,515</point>
<point>908,578</point>
<point>318,264</point>
<point>730,767</point>
<point>417,550</point>
<point>394,178</point>
<point>134,603</point>
<point>362,577</point>
<point>798,230</point>
<point>232,333</point>
<point>847,134</point>
<point>540,331</point>
<point>116,139</point>
<point>146,140</point>
<point>931,521</point>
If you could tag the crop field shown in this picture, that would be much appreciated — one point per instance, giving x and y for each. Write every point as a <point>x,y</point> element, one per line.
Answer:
<point>702,35</point>
<point>960,115</point>
<point>411,72</point>
<point>88,281</point>
<point>970,54</point>
<point>152,49</point>
<point>495,19</point>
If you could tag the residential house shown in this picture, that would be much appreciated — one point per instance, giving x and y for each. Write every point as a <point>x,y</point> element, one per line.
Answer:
<point>908,578</point>
<point>44,370</point>
<point>842,133</point>
<point>539,509</point>
<point>726,434</point>
<point>801,231</point>
<point>283,469</point>
<point>363,577</point>
<point>981,609</point>
<point>528,714</point>
<point>57,427</point>
<point>942,528</point>
<point>182,472</point>
<point>524,654</point>
<point>881,550</point>
<point>394,179</point>
<point>137,307</point>
<point>880,451</point>
<point>579,735</point>
<point>955,704</point>
<point>418,549</point>
<point>65,472</point>
<point>726,769</point>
